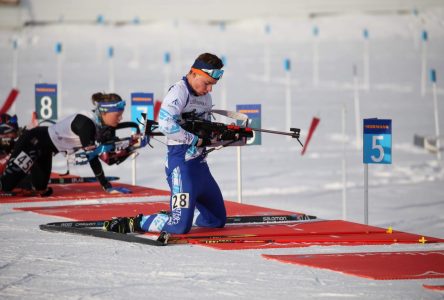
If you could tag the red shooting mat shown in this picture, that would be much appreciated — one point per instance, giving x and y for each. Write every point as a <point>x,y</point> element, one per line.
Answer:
<point>374,265</point>
<point>107,211</point>
<point>322,233</point>
<point>253,236</point>
<point>85,191</point>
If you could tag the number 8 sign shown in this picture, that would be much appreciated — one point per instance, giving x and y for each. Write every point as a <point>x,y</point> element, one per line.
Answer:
<point>46,101</point>
<point>377,141</point>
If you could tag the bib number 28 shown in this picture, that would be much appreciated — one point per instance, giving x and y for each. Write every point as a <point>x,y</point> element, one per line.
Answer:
<point>181,200</point>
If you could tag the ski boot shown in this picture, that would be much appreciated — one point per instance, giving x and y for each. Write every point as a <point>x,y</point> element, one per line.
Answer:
<point>123,224</point>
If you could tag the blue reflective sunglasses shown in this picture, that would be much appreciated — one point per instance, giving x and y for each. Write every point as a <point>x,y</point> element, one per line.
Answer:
<point>111,106</point>
<point>214,73</point>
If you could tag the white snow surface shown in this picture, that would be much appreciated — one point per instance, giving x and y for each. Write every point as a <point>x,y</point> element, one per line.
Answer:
<point>407,194</point>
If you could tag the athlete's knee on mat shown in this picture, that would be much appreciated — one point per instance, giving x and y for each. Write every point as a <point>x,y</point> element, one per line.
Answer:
<point>179,226</point>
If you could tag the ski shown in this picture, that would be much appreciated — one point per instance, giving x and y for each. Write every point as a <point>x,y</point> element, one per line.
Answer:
<point>268,219</point>
<point>88,231</point>
<point>68,180</point>
<point>288,240</point>
<point>222,241</point>
<point>77,224</point>
<point>230,220</point>
<point>267,236</point>
<point>91,228</point>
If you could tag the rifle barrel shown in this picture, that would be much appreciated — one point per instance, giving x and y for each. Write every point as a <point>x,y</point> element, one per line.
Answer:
<point>293,134</point>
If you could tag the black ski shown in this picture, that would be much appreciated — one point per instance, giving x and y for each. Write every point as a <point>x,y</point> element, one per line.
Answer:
<point>93,228</point>
<point>268,219</point>
<point>62,180</point>
<point>76,224</point>
<point>230,220</point>
<point>132,238</point>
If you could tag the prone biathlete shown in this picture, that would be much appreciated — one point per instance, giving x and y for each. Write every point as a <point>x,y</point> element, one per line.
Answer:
<point>32,153</point>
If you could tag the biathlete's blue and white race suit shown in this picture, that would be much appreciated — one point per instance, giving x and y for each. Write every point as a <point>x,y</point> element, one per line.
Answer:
<point>195,196</point>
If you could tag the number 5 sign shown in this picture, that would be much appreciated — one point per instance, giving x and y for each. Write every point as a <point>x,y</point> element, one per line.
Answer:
<point>377,141</point>
<point>377,149</point>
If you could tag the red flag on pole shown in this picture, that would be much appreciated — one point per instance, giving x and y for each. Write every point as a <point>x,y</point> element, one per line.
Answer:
<point>314,123</point>
<point>9,101</point>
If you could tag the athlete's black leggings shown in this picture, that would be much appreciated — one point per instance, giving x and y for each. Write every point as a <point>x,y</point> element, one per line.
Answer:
<point>32,154</point>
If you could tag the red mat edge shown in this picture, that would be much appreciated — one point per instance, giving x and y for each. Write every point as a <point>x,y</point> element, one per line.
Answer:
<point>99,195</point>
<point>275,257</point>
<point>439,288</point>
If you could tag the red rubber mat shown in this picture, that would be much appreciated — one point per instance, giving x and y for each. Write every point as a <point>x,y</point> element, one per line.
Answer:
<point>374,265</point>
<point>85,191</point>
<point>253,236</point>
<point>322,233</point>
<point>107,211</point>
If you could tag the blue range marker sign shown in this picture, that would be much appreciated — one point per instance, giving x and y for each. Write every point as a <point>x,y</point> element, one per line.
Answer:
<point>253,111</point>
<point>377,141</point>
<point>142,103</point>
<point>46,101</point>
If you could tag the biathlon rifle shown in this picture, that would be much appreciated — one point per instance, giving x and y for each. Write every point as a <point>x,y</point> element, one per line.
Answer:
<point>213,130</point>
<point>117,150</point>
<point>203,128</point>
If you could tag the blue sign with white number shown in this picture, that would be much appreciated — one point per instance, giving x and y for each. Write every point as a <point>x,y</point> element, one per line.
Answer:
<point>46,101</point>
<point>253,111</point>
<point>142,103</point>
<point>377,141</point>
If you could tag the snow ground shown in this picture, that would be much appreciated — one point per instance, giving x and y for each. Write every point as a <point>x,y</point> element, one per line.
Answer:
<point>407,195</point>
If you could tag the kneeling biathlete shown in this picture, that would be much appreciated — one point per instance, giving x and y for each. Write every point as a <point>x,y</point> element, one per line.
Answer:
<point>195,196</point>
<point>33,152</point>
